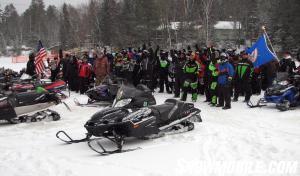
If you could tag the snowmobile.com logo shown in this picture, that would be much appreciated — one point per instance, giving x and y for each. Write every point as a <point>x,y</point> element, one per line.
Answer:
<point>238,167</point>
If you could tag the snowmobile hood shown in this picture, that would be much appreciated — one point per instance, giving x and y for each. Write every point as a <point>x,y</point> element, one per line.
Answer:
<point>278,89</point>
<point>108,116</point>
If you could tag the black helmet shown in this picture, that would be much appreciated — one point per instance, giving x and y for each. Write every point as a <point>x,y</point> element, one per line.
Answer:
<point>31,56</point>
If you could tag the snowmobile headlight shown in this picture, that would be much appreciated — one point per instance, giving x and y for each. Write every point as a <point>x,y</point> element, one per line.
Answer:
<point>122,103</point>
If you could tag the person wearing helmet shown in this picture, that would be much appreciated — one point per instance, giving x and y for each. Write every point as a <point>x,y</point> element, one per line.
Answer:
<point>243,75</point>
<point>30,67</point>
<point>164,64</point>
<point>179,59</point>
<point>190,70</point>
<point>287,64</point>
<point>226,73</point>
<point>213,69</point>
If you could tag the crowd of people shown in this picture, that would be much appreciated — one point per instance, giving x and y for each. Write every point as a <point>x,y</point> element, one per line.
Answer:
<point>219,75</point>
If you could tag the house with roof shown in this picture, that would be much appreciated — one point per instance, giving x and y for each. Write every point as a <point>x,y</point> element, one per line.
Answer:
<point>228,31</point>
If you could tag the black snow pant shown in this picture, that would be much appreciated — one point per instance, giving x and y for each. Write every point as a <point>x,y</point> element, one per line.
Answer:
<point>83,85</point>
<point>256,84</point>
<point>242,86</point>
<point>207,90</point>
<point>224,95</point>
<point>73,84</point>
<point>53,75</point>
<point>178,85</point>
<point>163,81</point>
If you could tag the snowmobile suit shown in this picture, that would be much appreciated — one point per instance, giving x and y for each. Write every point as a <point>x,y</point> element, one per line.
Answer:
<point>191,71</point>
<point>163,74</point>
<point>243,74</point>
<point>226,72</point>
<point>179,75</point>
<point>214,82</point>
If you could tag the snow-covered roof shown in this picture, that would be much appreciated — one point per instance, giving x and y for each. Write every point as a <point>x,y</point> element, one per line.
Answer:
<point>172,25</point>
<point>227,25</point>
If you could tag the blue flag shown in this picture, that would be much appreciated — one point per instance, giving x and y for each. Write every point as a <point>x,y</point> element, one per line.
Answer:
<point>260,52</point>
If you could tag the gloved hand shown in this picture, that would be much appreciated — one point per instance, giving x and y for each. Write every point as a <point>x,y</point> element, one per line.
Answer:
<point>229,79</point>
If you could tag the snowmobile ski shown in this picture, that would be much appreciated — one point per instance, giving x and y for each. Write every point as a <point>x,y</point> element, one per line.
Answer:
<point>94,104</point>
<point>258,104</point>
<point>69,140</point>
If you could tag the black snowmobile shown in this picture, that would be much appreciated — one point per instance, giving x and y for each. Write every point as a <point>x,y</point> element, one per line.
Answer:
<point>104,94</point>
<point>16,107</point>
<point>118,123</point>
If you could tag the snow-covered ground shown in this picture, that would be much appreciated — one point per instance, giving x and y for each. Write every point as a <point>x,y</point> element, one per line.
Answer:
<point>263,137</point>
<point>6,62</point>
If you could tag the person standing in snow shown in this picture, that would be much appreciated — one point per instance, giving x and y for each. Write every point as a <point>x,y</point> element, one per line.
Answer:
<point>243,75</point>
<point>30,67</point>
<point>213,83</point>
<point>164,64</point>
<point>54,67</point>
<point>72,72</point>
<point>84,75</point>
<point>179,60</point>
<point>191,71</point>
<point>101,68</point>
<point>226,73</point>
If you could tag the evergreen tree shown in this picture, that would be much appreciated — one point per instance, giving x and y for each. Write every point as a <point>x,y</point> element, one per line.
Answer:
<point>52,18</point>
<point>66,33</point>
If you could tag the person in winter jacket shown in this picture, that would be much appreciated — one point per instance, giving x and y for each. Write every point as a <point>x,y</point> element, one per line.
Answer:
<point>84,74</point>
<point>213,68</point>
<point>54,67</point>
<point>101,68</point>
<point>179,60</point>
<point>72,73</point>
<point>191,71</point>
<point>30,67</point>
<point>164,64</point>
<point>287,64</point>
<point>243,75</point>
<point>226,73</point>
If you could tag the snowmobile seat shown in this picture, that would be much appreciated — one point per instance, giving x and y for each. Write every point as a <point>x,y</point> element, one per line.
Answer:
<point>29,98</point>
<point>168,111</point>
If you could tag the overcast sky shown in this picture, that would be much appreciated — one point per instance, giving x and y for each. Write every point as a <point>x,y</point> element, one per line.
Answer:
<point>22,5</point>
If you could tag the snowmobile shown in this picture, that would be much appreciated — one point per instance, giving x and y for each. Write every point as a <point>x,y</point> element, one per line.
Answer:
<point>104,94</point>
<point>284,93</point>
<point>118,123</point>
<point>27,83</point>
<point>15,107</point>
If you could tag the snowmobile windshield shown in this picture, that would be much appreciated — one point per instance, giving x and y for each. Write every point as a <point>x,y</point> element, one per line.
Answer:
<point>127,92</point>
<point>25,77</point>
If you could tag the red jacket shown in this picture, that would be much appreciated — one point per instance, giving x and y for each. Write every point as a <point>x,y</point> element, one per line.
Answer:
<point>84,70</point>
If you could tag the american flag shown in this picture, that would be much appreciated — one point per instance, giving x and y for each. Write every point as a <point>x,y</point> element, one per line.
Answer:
<point>39,58</point>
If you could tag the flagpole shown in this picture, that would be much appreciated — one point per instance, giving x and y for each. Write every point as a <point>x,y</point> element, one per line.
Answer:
<point>265,32</point>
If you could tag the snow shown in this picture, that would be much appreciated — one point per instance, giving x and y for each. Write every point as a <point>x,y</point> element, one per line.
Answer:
<point>6,62</point>
<point>240,134</point>
<point>227,25</point>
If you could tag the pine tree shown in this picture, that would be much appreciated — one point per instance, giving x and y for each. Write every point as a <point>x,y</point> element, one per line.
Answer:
<point>109,22</point>
<point>34,23</point>
<point>52,18</point>
<point>66,33</point>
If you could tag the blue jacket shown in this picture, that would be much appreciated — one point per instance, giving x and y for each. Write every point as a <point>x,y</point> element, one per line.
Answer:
<point>225,70</point>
